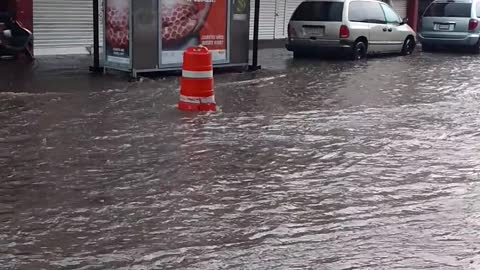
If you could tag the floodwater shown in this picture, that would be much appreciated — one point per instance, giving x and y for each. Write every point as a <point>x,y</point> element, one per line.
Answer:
<point>310,164</point>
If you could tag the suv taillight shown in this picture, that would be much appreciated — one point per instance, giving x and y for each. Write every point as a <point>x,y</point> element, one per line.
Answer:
<point>344,32</point>
<point>472,25</point>
<point>291,31</point>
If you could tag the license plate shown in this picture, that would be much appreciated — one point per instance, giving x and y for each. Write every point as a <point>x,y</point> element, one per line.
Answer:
<point>444,27</point>
<point>317,31</point>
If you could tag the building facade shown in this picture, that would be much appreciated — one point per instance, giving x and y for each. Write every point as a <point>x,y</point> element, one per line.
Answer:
<point>66,26</point>
<point>275,14</point>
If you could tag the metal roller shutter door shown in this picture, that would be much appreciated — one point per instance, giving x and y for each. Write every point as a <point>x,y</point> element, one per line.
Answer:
<point>400,6</point>
<point>100,18</point>
<point>280,29</point>
<point>62,26</point>
<point>100,26</point>
<point>267,19</point>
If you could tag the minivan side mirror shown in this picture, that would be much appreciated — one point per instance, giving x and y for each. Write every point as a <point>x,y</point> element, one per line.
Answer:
<point>404,21</point>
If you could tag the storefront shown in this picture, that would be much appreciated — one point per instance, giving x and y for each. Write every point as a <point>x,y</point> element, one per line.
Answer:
<point>62,27</point>
<point>66,27</point>
<point>275,15</point>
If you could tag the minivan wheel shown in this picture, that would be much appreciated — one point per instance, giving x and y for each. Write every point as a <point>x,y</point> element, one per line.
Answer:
<point>297,54</point>
<point>408,46</point>
<point>359,50</point>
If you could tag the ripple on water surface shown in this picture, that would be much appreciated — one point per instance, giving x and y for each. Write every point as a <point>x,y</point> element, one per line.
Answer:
<point>313,165</point>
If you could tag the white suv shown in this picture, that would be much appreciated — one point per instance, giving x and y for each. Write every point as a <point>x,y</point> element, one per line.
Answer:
<point>356,27</point>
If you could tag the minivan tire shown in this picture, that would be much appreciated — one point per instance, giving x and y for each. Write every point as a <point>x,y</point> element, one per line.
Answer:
<point>476,48</point>
<point>298,55</point>
<point>359,50</point>
<point>408,46</point>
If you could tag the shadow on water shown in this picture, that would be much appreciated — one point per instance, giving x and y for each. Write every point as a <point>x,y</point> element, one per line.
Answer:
<point>452,50</point>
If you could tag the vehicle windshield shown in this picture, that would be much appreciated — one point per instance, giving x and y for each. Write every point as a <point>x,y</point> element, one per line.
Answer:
<point>319,11</point>
<point>459,10</point>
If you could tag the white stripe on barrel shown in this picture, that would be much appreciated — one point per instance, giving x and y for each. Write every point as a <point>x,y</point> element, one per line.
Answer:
<point>208,100</point>
<point>198,100</point>
<point>193,100</point>
<point>197,74</point>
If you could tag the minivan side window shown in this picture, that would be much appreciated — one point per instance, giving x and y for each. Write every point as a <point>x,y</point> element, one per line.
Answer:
<point>357,12</point>
<point>375,13</point>
<point>478,9</point>
<point>391,16</point>
<point>363,11</point>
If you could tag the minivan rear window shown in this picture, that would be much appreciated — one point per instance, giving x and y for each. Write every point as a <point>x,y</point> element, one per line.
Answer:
<point>319,11</point>
<point>459,10</point>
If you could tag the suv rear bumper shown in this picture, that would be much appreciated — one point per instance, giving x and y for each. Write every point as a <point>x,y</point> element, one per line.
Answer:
<point>318,45</point>
<point>469,40</point>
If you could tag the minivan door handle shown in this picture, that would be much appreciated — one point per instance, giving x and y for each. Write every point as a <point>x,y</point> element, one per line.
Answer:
<point>384,29</point>
<point>390,29</point>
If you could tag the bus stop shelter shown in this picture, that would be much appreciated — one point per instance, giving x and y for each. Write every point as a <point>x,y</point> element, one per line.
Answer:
<point>237,37</point>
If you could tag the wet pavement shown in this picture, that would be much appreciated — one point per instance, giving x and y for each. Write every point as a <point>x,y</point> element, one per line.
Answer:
<point>310,164</point>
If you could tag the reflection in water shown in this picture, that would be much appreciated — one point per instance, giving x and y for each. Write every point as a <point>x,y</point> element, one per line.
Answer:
<point>327,165</point>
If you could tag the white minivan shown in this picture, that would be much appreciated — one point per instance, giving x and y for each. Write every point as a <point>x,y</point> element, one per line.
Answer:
<point>355,27</point>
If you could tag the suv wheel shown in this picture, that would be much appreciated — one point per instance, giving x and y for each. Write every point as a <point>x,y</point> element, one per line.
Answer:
<point>297,54</point>
<point>427,47</point>
<point>359,50</point>
<point>408,46</point>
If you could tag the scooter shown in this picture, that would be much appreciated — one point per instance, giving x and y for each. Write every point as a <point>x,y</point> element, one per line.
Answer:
<point>14,39</point>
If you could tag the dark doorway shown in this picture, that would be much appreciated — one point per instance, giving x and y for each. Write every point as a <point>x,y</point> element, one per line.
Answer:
<point>3,5</point>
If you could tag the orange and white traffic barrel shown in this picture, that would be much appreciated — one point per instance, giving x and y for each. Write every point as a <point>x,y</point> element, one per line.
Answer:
<point>197,91</point>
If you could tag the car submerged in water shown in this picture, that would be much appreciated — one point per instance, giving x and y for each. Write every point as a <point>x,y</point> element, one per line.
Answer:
<point>450,23</point>
<point>352,27</point>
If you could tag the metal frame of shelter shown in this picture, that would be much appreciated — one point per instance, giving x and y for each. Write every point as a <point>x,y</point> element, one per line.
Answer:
<point>96,68</point>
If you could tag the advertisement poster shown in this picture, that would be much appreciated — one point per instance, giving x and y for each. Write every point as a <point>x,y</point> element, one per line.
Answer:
<point>187,23</point>
<point>117,31</point>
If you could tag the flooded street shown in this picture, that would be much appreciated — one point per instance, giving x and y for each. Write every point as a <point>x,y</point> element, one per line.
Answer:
<point>310,164</point>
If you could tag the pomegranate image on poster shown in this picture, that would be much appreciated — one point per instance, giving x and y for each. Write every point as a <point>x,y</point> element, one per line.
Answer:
<point>179,19</point>
<point>117,28</point>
